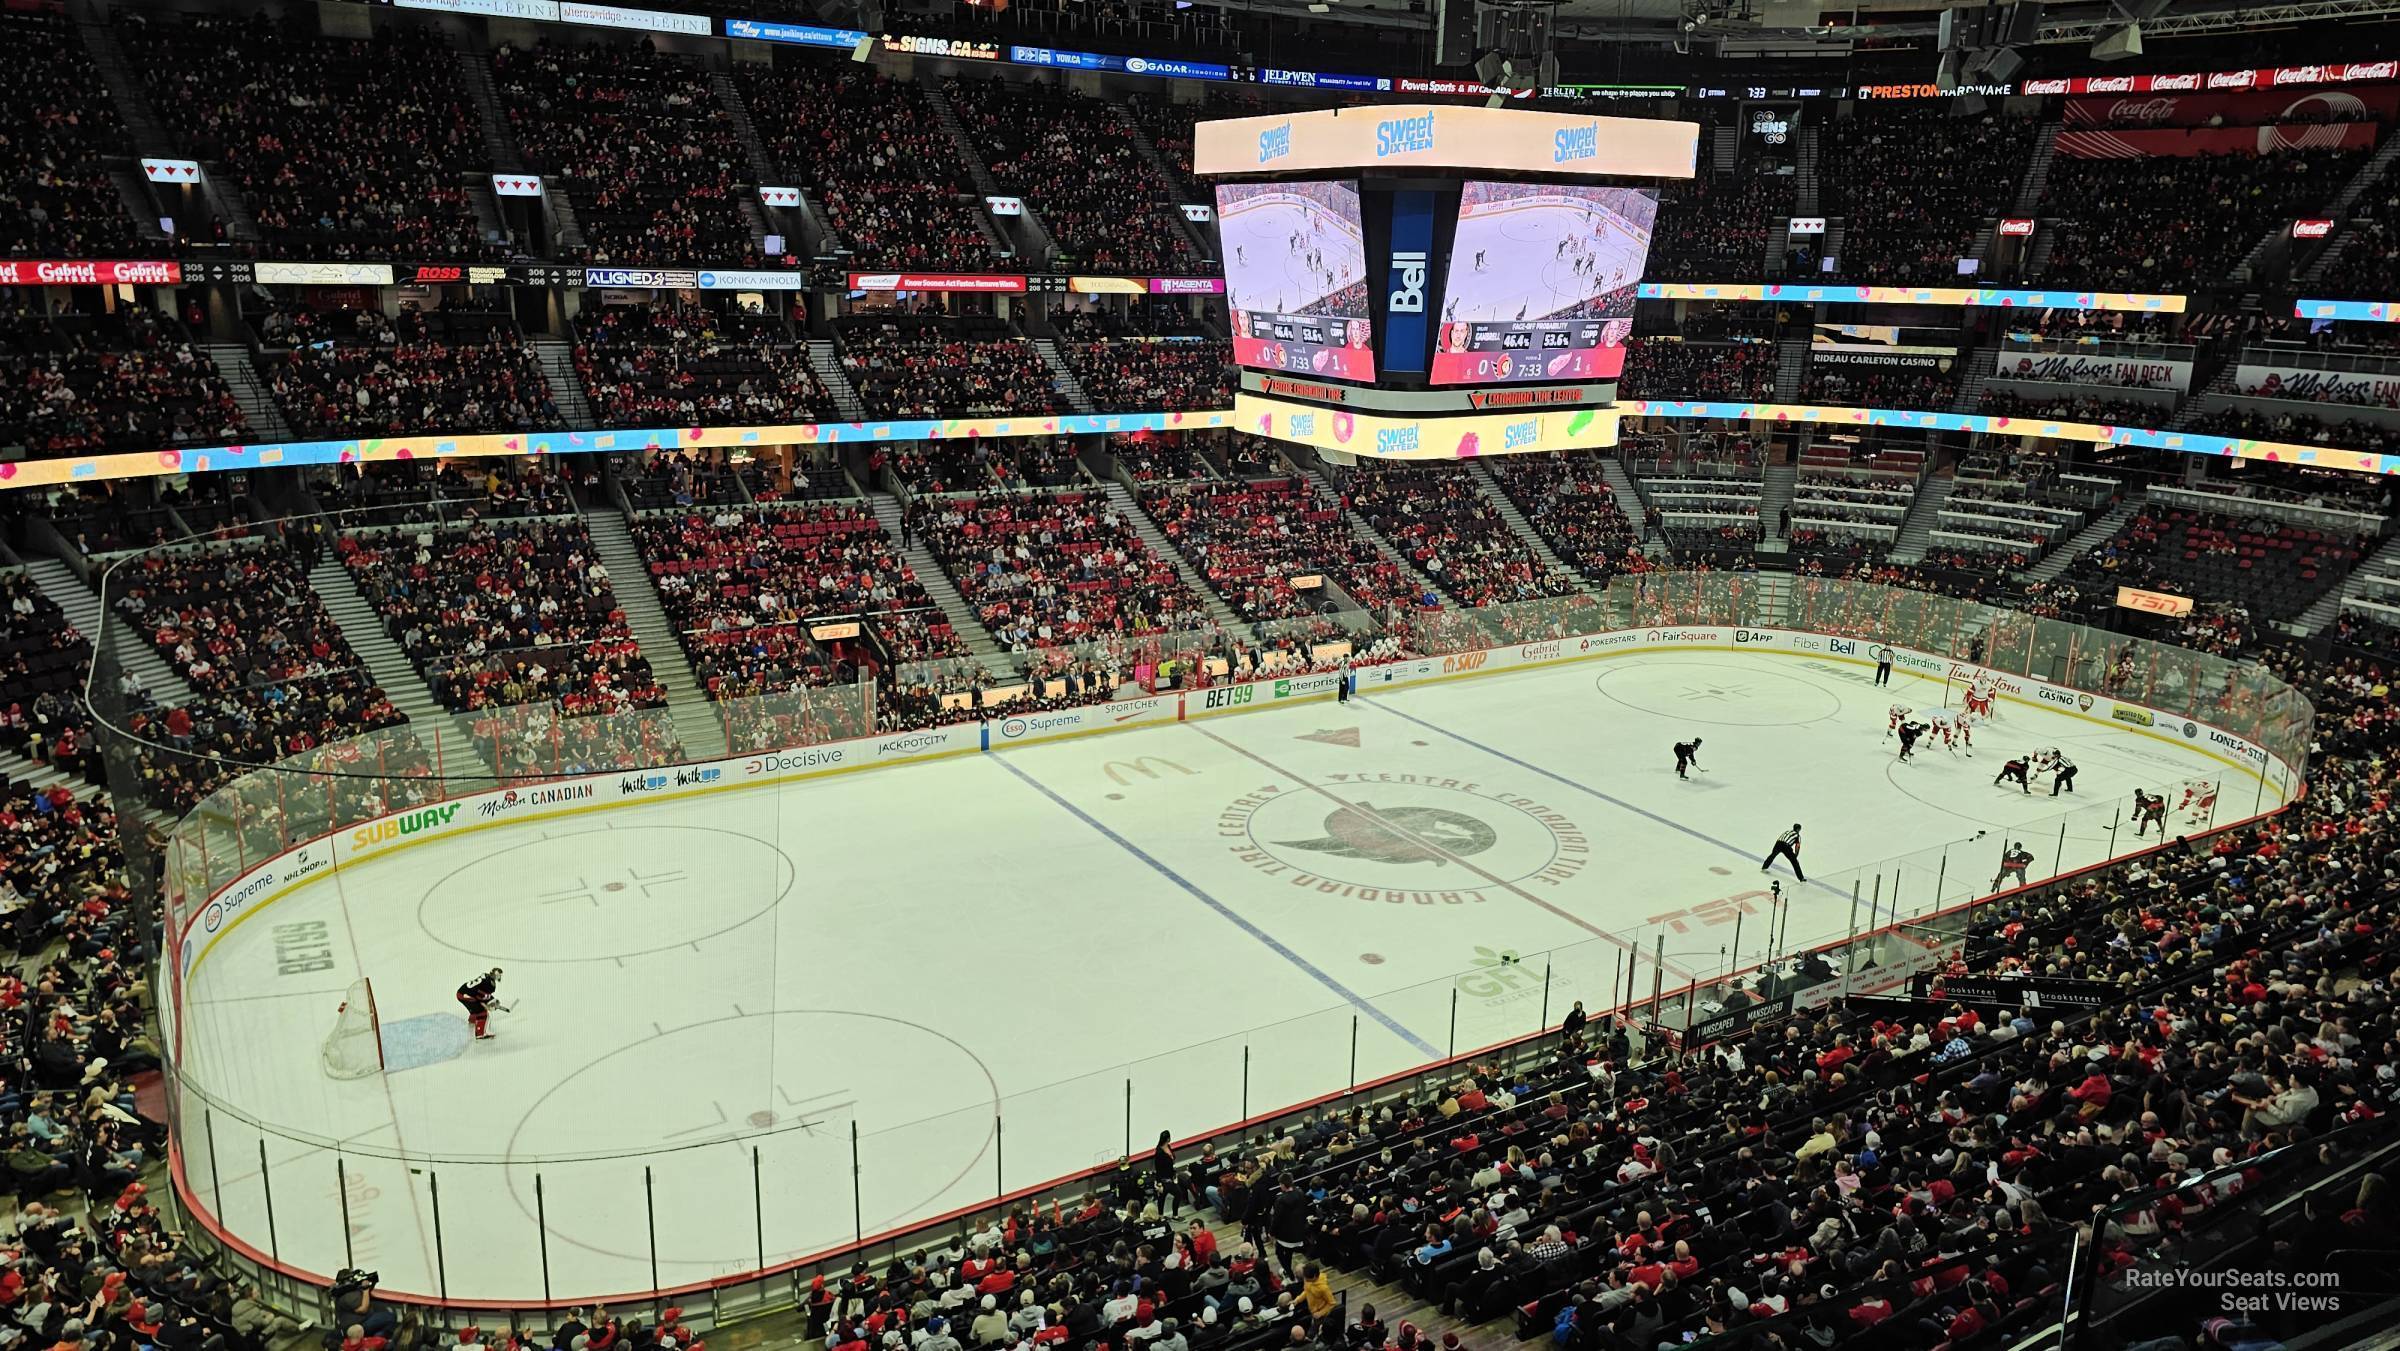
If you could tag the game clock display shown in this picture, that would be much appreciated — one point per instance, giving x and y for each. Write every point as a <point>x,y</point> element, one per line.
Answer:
<point>1542,282</point>
<point>1296,277</point>
<point>1576,349</point>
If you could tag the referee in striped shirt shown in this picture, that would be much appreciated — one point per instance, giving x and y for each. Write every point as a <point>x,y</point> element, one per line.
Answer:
<point>1787,848</point>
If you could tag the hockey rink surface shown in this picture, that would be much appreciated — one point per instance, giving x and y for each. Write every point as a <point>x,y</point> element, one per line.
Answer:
<point>1531,252</point>
<point>1271,273</point>
<point>715,992</point>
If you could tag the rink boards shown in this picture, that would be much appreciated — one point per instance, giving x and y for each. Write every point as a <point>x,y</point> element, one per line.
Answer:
<point>199,924</point>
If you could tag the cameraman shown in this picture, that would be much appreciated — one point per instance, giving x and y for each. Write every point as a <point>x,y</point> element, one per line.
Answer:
<point>355,1305</point>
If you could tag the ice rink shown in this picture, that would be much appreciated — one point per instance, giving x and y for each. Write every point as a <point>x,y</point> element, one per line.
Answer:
<point>967,962</point>
<point>1531,253</point>
<point>1269,273</point>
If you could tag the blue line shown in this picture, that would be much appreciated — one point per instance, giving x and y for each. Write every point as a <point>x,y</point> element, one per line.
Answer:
<point>1353,999</point>
<point>1380,706</point>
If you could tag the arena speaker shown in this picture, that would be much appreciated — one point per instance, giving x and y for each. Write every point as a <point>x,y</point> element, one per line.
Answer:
<point>1453,32</point>
<point>2126,41</point>
<point>2021,25</point>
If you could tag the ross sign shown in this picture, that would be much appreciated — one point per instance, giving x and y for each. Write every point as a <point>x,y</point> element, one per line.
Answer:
<point>2311,229</point>
<point>955,49</point>
<point>1807,225</point>
<point>2153,602</point>
<point>324,274</point>
<point>652,20</point>
<point>643,278</point>
<point>19,272</point>
<point>517,185</point>
<point>797,34</point>
<point>937,281</point>
<point>1430,136</point>
<point>171,170</point>
<point>2016,227</point>
<point>1005,206</point>
<point>1406,282</point>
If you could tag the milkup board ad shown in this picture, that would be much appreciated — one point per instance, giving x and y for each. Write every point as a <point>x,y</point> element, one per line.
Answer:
<point>1542,281</point>
<point>1296,277</point>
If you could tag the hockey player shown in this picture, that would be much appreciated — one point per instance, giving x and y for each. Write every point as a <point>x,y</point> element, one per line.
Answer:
<point>1687,756</point>
<point>1899,715</point>
<point>2062,774</point>
<point>1942,725</point>
<point>2013,863</point>
<point>2016,769</point>
<point>479,995</point>
<point>1965,722</point>
<point>1979,699</point>
<point>2149,809</point>
<point>1909,732</point>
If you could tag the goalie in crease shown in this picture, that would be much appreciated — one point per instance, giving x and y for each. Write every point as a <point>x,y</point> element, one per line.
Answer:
<point>481,995</point>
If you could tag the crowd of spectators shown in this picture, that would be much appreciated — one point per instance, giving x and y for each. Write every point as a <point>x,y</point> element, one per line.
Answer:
<point>42,663</point>
<point>1047,569</point>
<point>497,613</point>
<point>1880,387</point>
<point>670,365</point>
<point>1145,376</point>
<point>125,380</point>
<point>1077,167</point>
<point>2071,406</point>
<point>2258,424</point>
<point>1568,501</point>
<point>1667,368</point>
<point>341,147</point>
<point>56,200</point>
<point>1713,228</point>
<point>1442,521</point>
<point>274,676</point>
<point>1915,184</point>
<point>1157,457</point>
<point>364,373</point>
<point>936,371</point>
<point>1250,538</point>
<point>889,177</point>
<point>637,140</point>
<point>2270,568</point>
<point>2154,223</point>
<point>742,589</point>
<point>429,490</point>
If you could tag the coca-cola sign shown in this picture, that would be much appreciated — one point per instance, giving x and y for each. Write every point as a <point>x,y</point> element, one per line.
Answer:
<point>2273,77</point>
<point>2311,229</point>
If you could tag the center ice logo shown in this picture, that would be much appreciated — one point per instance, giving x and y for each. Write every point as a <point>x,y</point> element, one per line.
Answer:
<point>1400,835</point>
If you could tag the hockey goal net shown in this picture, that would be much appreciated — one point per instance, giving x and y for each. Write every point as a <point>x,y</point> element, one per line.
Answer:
<point>1965,682</point>
<point>354,1049</point>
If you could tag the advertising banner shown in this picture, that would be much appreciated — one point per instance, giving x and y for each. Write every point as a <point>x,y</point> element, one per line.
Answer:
<point>1318,79</point>
<point>1888,345</point>
<point>1377,436</point>
<point>2019,992</point>
<point>1981,296</point>
<point>1163,67</point>
<point>1187,286</point>
<point>778,196</point>
<point>2301,382</point>
<point>652,20</point>
<point>171,170</point>
<point>2216,141</point>
<point>2271,77</point>
<point>797,34</point>
<point>2118,372</point>
<point>2238,109</point>
<point>955,49</point>
<point>2359,311</point>
<point>516,185</point>
<point>643,278</point>
<point>1807,225</point>
<point>937,281</point>
<point>35,272</point>
<point>2153,602</point>
<point>792,280</point>
<point>324,274</point>
<point>2311,229</point>
<point>1430,136</point>
<point>1406,281</point>
<point>546,10</point>
<point>2016,227</point>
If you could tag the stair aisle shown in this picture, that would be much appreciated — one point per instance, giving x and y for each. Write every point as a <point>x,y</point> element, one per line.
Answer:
<point>557,358</point>
<point>1791,365</point>
<point>1629,497</point>
<point>696,718</point>
<point>2383,562</point>
<point>232,360</point>
<point>1151,535</point>
<point>1916,528</point>
<point>826,364</point>
<point>2058,560</point>
<point>363,628</point>
<point>928,570</point>
<point>1498,497</point>
<point>1421,583</point>
<point>131,650</point>
<point>1063,375</point>
<point>1774,496</point>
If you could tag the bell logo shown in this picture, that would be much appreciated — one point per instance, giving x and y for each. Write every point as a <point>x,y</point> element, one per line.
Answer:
<point>1408,274</point>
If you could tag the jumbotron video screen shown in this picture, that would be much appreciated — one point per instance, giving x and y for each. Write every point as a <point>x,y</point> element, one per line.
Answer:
<point>1296,277</point>
<point>1542,282</point>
